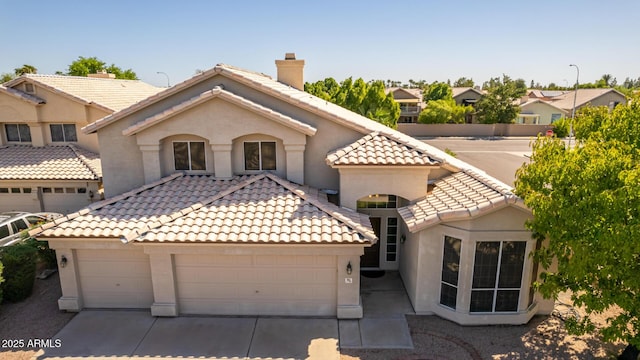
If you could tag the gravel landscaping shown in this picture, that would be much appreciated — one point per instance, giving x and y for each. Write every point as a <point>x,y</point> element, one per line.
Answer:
<point>38,317</point>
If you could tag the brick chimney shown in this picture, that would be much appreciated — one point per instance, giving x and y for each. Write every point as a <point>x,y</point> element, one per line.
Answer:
<point>291,71</point>
<point>103,74</point>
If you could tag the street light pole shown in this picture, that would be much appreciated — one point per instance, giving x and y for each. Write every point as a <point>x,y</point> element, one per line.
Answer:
<point>575,95</point>
<point>165,74</point>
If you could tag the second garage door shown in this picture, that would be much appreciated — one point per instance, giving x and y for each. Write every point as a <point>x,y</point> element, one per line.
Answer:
<point>256,284</point>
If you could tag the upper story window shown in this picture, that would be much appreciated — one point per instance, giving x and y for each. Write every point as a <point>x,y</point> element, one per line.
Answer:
<point>497,276</point>
<point>18,132</point>
<point>63,132</point>
<point>260,155</point>
<point>189,155</point>
<point>29,88</point>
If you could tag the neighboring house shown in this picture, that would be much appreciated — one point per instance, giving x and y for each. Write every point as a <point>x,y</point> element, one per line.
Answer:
<point>467,96</point>
<point>538,112</point>
<point>410,101</point>
<point>40,112</point>
<point>221,199</point>
<point>589,97</point>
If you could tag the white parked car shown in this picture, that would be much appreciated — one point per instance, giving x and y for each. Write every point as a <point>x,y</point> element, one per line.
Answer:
<point>12,224</point>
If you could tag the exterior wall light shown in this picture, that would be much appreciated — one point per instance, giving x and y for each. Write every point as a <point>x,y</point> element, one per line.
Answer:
<point>349,268</point>
<point>403,238</point>
<point>63,261</point>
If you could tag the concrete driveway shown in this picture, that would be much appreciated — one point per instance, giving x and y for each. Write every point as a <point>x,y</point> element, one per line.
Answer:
<point>137,335</point>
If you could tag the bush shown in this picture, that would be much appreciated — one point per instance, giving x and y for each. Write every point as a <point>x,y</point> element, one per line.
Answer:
<point>561,127</point>
<point>19,271</point>
<point>44,253</point>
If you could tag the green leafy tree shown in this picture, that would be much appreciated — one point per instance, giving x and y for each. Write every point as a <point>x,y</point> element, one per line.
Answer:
<point>367,99</point>
<point>463,82</point>
<point>85,66</point>
<point>6,77</point>
<point>497,106</point>
<point>437,91</point>
<point>586,202</point>
<point>444,111</point>
<point>25,69</point>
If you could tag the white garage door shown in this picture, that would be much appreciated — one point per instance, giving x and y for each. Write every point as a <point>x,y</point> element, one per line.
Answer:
<point>256,284</point>
<point>115,278</point>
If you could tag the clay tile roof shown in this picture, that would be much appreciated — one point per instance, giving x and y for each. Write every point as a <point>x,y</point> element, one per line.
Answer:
<point>584,96</point>
<point>378,149</point>
<point>111,94</point>
<point>24,162</point>
<point>455,197</point>
<point>246,209</point>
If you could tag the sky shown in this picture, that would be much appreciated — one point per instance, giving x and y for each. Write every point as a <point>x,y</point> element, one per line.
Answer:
<point>395,40</point>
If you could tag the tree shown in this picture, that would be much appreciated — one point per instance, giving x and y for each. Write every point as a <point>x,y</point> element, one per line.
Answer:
<point>85,66</point>
<point>497,106</point>
<point>25,69</point>
<point>463,82</point>
<point>444,111</point>
<point>437,91</point>
<point>367,99</point>
<point>586,202</point>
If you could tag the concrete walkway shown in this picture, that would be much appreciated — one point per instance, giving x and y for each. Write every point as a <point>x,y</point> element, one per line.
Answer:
<point>384,325</point>
<point>121,334</point>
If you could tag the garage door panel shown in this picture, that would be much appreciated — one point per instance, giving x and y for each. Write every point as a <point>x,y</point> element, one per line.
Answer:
<point>261,285</point>
<point>115,278</point>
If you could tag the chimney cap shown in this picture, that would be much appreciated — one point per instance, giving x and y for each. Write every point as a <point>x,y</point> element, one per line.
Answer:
<point>290,56</point>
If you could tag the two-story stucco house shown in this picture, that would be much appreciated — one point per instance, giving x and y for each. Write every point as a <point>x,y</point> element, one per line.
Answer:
<point>46,162</point>
<point>234,193</point>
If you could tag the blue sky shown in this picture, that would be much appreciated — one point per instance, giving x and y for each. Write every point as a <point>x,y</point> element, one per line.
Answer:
<point>398,40</point>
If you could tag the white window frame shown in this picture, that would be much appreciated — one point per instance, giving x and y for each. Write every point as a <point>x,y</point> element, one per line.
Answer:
<point>496,287</point>
<point>173,154</point>
<point>244,155</point>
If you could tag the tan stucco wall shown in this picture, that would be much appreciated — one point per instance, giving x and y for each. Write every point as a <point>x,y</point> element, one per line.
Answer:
<point>544,110</point>
<point>123,152</point>
<point>467,95</point>
<point>57,110</point>
<point>422,266</point>
<point>607,99</point>
<point>357,182</point>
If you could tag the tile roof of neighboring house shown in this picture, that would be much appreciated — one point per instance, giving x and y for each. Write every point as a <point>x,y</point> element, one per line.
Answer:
<point>218,92</point>
<point>414,92</point>
<point>534,101</point>
<point>200,208</point>
<point>584,96</point>
<point>457,197</point>
<point>544,93</point>
<point>24,162</point>
<point>378,149</point>
<point>21,95</point>
<point>110,94</point>
<point>456,91</point>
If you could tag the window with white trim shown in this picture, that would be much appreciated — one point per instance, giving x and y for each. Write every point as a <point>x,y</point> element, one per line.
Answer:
<point>189,155</point>
<point>392,238</point>
<point>259,155</point>
<point>497,276</point>
<point>450,271</point>
<point>63,132</point>
<point>18,132</point>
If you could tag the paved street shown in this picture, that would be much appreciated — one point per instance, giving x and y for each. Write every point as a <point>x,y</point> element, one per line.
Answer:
<point>499,157</point>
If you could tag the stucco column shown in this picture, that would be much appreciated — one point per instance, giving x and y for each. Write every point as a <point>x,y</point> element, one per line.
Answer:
<point>295,162</point>
<point>465,277</point>
<point>164,285</point>
<point>37,135</point>
<point>348,294</point>
<point>71,299</point>
<point>151,162</point>
<point>222,160</point>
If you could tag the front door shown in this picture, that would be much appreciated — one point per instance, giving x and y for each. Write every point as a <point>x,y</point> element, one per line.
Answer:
<point>371,257</point>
